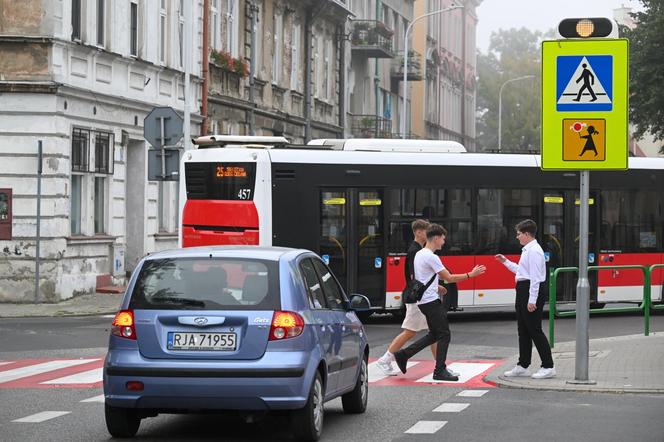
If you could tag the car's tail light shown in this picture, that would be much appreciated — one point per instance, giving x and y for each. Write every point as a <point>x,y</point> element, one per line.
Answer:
<point>286,325</point>
<point>123,324</point>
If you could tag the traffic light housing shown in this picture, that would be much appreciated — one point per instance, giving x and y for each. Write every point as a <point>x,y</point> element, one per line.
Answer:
<point>594,27</point>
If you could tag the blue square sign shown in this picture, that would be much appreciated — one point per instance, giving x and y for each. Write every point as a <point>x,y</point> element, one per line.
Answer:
<point>584,83</point>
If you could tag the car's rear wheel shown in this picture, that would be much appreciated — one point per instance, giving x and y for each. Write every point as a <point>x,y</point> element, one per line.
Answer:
<point>356,400</point>
<point>307,422</point>
<point>121,422</point>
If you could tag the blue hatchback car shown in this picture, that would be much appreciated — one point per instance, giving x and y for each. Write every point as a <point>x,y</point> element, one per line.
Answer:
<point>235,328</point>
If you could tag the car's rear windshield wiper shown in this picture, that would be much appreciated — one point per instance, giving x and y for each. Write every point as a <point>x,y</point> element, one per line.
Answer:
<point>174,300</point>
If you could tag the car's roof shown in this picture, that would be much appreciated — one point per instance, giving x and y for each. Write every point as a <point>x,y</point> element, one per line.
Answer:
<point>256,252</point>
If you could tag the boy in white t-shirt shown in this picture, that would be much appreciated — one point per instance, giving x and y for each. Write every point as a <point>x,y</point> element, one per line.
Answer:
<point>426,265</point>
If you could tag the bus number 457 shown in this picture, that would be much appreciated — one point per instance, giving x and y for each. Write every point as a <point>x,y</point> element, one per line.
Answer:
<point>244,194</point>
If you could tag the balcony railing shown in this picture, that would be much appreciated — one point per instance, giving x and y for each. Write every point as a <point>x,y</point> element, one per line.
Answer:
<point>371,38</point>
<point>370,126</point>
<point>414,66</point>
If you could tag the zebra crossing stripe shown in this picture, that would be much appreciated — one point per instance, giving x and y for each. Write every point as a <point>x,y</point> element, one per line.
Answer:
<point>376,374</point>
<point>99,398</point>
<point>41,417</point>
<point>85,377</point>
<point>472,393</point>
<point>426,427</point>
<point>451,408</point>
<point>31,370</point>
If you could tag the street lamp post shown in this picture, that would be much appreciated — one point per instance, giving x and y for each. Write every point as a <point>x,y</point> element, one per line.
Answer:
<point>405,63</point>
<point>500,107</point>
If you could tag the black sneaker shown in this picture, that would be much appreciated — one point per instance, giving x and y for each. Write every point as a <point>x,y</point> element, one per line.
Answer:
<point>445,376</point>
<point>401,361</point>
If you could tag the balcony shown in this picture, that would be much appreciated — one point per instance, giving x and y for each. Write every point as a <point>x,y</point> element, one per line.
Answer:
<point>371,38</point>
<point>414,67</point>
<point>370,126</point>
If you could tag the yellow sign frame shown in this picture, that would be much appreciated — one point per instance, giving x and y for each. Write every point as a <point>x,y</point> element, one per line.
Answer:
<point>552,134</point>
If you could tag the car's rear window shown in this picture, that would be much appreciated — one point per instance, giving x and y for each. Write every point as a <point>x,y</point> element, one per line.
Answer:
<point>207,284</point>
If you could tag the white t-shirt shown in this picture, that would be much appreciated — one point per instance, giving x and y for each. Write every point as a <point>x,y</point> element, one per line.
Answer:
<point>425,265</point>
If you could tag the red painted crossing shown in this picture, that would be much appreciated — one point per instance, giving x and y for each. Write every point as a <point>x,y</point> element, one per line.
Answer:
<point>87,373</point>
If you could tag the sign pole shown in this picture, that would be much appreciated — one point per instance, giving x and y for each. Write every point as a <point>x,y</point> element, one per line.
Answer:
<point>583,287</point>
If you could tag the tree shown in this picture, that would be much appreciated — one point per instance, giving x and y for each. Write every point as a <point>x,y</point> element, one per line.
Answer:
<point>512,53</point>
<point>646,70</point>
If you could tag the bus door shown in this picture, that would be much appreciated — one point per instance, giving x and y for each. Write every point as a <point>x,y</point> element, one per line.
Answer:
<point>560,239</point>
<point>352,239</point>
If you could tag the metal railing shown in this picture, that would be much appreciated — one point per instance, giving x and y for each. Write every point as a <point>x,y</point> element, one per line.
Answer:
<point>372,37</point>
<point>645,306</point>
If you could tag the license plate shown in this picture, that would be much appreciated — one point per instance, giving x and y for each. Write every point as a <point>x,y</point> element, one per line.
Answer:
<point>201,341</point>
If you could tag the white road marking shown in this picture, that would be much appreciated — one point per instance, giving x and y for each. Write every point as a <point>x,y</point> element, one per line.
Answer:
<point>31,370</point>
<point>426,427</point>
<point>467,371</point>
<point>5,362</point>
<point>107,316</point>
<point>451,408</point>
<point>41,417</point>
<point>473,393</point>
<point>99,398</point>
<point>84,377</point>
<point>376,374</point>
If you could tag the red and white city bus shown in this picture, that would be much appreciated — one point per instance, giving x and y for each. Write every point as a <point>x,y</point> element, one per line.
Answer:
<point>352,202</point>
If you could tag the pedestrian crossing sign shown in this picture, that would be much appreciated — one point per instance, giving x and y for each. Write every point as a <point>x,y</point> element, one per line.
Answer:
<point>584,83</point>
<point>584,104</point>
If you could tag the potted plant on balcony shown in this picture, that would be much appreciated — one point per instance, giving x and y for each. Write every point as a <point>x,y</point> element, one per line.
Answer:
<point>228,63</point>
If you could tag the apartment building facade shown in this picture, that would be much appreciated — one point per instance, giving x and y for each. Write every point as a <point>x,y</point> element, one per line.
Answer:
<point>80,76</point>
<point>276,68</point>
<point>447,42</point>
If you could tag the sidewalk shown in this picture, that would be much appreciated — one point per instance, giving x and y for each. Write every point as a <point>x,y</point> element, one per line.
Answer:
<point>84,305</point>
<point>624,364</point>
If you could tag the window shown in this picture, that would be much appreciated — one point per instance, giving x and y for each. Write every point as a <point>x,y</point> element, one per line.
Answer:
<point>316,296</point>
<point>181,33</point>
<point>101,7</point>
<point>80,150</point>
<point>76,20</point>
<point>327,70</point>
<point>631,221</point>
<point>232,31</point>
<point>332,290</point>
<point>207,284</point>
<point>214,24</point>
<point>277,53</point>
<point>75,209</point>
<point>295,62</point>
<point>448,207</point>
<point>102,152</point>
<point>498,211</point>
<point>91,164</point>
<point>100,203</point>
<point>316,43</point>
<point>133,33</point>
<point>258,32</point>
<point>163,32</point>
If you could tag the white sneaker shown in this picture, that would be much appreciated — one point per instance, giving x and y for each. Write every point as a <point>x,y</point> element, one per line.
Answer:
<point>517,371</point>
<point>455,373</point>
<point>544,373</point>
<point>386,368</point>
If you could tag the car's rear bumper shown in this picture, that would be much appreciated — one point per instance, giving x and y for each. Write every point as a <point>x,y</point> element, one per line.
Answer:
<point>277,381</point>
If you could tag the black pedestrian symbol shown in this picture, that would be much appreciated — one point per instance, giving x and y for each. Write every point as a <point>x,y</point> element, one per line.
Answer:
<point>588,81</point>
<point>590,143</point>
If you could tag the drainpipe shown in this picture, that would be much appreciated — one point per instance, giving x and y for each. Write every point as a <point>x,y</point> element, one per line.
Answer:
<point>342,78</point>
<point>206,66</point>
<point>307,76</point>
<point>251,119</point>
<point>463,75</point>
<point>376,78</point>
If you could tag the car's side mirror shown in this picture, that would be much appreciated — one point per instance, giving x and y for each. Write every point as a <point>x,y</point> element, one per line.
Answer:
<point>359,303</point>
